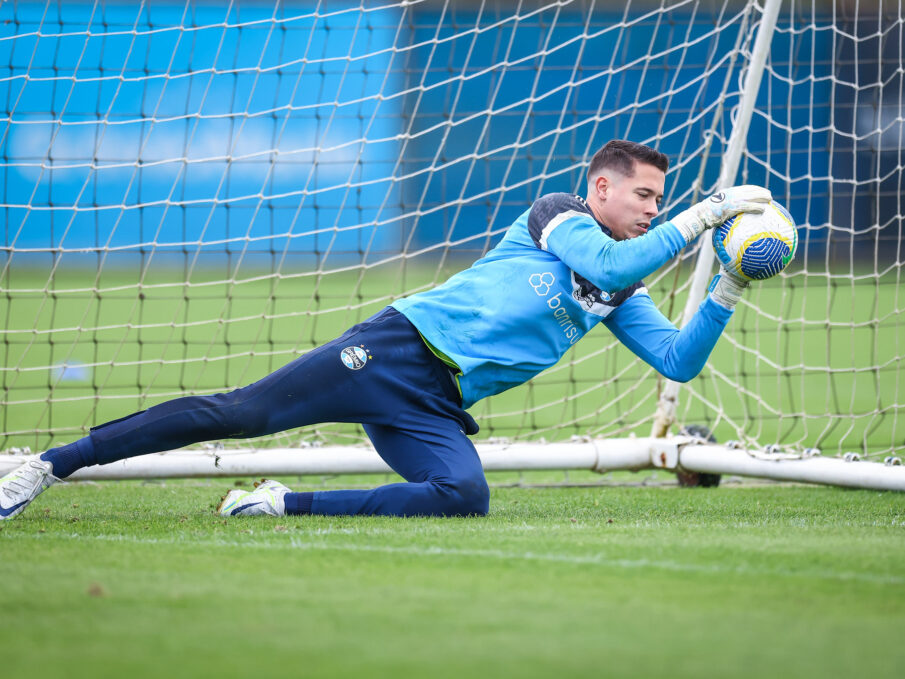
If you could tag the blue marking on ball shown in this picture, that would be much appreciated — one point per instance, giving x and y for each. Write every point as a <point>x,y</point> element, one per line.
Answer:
<point>719,243</point>
<point>764,258</point>
<point>754,246</point>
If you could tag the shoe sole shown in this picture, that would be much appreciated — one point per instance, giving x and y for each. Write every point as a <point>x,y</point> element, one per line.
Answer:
<point>14,512</point>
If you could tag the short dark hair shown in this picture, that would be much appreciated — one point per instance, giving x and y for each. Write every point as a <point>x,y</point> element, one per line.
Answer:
<point>621,155</point>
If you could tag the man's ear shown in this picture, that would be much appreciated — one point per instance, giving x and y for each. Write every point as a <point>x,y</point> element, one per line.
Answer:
<point>601,185</point>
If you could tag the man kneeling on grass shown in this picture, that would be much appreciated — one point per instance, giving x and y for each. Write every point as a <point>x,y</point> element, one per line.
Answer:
<point>409,373</point>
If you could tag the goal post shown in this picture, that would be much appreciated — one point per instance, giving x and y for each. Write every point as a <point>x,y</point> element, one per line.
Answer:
<point>194,195</point>
<point>666,406</point>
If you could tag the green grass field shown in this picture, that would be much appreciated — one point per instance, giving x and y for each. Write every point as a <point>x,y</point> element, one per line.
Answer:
<point>136,579</point>
<point>142,579</point>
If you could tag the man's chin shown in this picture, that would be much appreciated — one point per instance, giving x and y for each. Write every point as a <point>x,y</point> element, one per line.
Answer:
<point>634,232</point>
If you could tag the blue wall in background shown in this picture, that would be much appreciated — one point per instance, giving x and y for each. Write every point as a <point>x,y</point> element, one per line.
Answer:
<point>157,120</point>
<point>155,117</point>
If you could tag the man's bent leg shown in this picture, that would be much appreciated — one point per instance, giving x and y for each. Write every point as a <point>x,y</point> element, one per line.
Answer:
<point>440,463</point>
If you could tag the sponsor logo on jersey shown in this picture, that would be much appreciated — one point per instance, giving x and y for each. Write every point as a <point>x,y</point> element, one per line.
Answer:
<point>543,284</point>
<point>354,358</point>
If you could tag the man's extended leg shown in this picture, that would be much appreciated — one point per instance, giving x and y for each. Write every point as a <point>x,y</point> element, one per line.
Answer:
<point>316,387</point>
<point>398,375</point>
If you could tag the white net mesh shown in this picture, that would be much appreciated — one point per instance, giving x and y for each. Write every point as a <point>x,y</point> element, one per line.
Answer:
<point>194,195</point>
<point>817,354</point>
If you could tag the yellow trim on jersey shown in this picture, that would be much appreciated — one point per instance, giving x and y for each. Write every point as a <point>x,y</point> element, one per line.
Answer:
<point>451,364</point>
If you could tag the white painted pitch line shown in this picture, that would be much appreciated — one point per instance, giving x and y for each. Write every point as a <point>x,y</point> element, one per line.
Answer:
<point>296,543</point>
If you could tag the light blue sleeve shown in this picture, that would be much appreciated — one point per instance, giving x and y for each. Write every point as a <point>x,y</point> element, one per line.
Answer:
<point>609,264</point>
<point>676,354</point>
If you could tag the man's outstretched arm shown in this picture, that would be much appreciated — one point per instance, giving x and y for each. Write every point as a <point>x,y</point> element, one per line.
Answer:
<point>562,226</point>
<point>676,354</point>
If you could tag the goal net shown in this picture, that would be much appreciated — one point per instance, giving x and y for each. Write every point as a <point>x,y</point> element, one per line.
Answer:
<point>194,195</point>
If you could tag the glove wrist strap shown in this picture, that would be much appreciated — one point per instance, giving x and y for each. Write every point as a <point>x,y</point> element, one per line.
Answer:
<point>688,225</point>
<point>726,290</point>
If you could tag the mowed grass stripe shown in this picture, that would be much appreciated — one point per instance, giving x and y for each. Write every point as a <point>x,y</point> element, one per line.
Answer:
<point>598,559</point>
<point>142,580</point>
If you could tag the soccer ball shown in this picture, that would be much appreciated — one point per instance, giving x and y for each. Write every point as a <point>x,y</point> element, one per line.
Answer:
<point>756,247</point>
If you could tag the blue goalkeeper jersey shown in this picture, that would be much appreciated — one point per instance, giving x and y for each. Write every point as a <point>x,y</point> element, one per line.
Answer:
<point>555,275</point>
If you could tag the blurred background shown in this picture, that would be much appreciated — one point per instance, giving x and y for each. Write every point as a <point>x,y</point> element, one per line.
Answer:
<point>194,194</point>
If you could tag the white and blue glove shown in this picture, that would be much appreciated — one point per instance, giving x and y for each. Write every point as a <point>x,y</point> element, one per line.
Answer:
<point>726,289</point>
<point>715,210</point>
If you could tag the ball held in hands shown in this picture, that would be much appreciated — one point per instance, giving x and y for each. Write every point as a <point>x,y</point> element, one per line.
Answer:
<point>756,246</point>
<point>719,207</point>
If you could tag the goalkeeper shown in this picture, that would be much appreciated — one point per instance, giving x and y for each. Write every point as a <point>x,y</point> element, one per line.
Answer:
<point>409,373</point>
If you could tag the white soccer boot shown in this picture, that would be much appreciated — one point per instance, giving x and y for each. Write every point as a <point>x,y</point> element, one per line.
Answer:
<point>265,499</point>
<point>24,484</point>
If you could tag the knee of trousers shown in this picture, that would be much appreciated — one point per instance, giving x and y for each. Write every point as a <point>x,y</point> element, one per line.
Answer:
<point>467,496</point>
<point>236,415</point>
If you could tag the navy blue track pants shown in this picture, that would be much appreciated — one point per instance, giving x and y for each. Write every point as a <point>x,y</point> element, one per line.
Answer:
<point>380,374</point>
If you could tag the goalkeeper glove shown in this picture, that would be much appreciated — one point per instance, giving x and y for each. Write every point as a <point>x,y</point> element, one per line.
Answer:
<point>719,207</point>
<point>726,288</point>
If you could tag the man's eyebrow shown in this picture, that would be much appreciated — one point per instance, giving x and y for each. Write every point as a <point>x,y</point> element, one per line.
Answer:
<point>649,190</point>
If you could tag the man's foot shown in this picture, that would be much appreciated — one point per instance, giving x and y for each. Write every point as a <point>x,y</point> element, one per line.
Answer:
<point>24,484</point>
<point>266,498</point>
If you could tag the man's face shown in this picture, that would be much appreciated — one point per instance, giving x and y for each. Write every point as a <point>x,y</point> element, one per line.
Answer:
<point>627,205</point>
